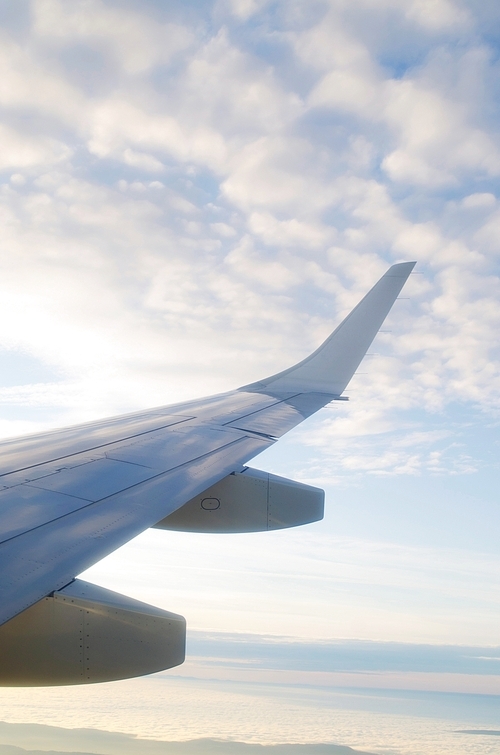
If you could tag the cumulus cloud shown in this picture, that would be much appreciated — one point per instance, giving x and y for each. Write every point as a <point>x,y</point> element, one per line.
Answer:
<point>18,150</point>
<point>434,15</point>
<point>135,41</point>
<point>195,199</point>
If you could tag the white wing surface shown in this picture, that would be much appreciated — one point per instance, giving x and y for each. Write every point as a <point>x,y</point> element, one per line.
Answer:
<point>70,497</point>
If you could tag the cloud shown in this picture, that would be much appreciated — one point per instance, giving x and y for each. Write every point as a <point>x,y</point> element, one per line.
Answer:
<point>435,141</point>
<point>142,160</point>
<point>478,200</point>
<point>22,151</point>
<point>135,41</point>
<point>244,9</point>
<point>116,123</point>
<point>275,172</point>
<point>72,741</point>
<point>288,232</point>
<point>29,86</point>
<point>436,14</point>
<point>433,136</point>
<point>273,274</point>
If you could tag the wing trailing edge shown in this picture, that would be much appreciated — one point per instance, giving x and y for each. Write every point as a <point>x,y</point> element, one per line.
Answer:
<point>329,369</point>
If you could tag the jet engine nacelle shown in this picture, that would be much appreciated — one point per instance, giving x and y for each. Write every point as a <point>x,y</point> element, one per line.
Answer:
<point>83,634</point>
<point>248,501</point>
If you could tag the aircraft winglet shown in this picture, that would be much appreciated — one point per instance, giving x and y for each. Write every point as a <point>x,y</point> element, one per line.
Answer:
<point>330,368</point>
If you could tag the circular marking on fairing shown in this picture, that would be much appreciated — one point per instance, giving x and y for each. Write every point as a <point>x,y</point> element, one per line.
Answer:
<point>210,504</point>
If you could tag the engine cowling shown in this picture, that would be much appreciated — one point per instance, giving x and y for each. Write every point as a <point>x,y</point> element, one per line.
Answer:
<point>248,501</point>
<point>83,634</point>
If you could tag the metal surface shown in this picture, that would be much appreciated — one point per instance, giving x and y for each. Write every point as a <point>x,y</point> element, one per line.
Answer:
<point>248,501</point>
<point>86,634</point>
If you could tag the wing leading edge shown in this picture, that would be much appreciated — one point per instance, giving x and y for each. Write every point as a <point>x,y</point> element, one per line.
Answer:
<point>68,498</point>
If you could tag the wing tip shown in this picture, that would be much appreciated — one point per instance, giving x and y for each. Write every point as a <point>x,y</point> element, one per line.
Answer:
<point>400,270</point>
<point>329,369</point>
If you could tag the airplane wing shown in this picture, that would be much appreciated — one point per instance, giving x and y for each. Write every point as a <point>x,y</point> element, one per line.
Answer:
<point>70,497</point>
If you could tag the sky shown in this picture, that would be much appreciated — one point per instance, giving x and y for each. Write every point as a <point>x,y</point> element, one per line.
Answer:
<point>192,195</point>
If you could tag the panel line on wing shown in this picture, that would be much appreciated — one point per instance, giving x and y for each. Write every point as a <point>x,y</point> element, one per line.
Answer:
<point>95,448</point>
<point>124,490</point>
<point>48,490</point>
<point>259,410</point>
